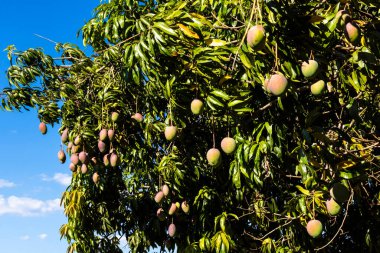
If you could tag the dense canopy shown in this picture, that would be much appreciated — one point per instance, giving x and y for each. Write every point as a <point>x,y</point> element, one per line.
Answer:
<point>293,85</point>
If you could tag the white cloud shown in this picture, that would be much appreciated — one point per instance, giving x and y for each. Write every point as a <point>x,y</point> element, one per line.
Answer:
<point>61,178</point>
<point>25,237</point>
<point>5,183</point>
<point>24,206</point>
<point>123,240</point>
<point>124,244</point>
<point>42,236</point>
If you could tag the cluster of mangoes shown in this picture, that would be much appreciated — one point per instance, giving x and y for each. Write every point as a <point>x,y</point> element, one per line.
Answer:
<point>213,155</point>
<point>339,194</point>
<point>79,158</point>
<point>174,208</point>
<point>277,83</point>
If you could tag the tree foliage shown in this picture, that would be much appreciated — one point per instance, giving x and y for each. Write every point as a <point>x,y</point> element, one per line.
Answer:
<point>154,58</point>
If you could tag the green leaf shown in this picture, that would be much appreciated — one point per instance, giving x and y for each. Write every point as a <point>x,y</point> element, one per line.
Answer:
<point>349,174</point>
<point>222,223</point>
<point>188,32</point>
<point>303,190</point>
<point>236,176</point>
<point>214,101</point>
<point>165,28</point>
<point>234,103</point>
<point>139,53</point>
<point>279,102</point>
<point>225,241</point>
<point>215,42</point>
<point>302,204</point>
<point>220,94</point>
<point>333,23</point>
<point>157,36</point>
<point>245,60</point>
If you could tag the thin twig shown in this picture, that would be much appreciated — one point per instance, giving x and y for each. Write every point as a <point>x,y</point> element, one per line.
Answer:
<point>170,112</point>
<point>121,42</point>
<point>264,107</point>
<point>246,214</point>
<point>42,37</point>
<point>375,178</point>
<point>259,6</point>
<point>228,27</point>
<point>367,14</point>
<point>224,26</point>
<point>228,125</point>
<point>291,176</point>
<point>136,104</point>
<point>213,131</point>
<point>276,63</point>
<point>245,34</point>
<point>267,105</point>
<point>364,148</point>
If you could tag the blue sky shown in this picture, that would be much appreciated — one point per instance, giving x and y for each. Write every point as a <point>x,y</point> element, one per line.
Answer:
<point>31,178</point>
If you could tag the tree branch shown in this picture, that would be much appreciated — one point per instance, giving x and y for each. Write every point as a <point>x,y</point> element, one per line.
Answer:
<point>273,230</point>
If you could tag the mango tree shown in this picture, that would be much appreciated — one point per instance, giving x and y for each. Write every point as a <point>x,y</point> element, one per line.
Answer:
<point>215,125</point>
